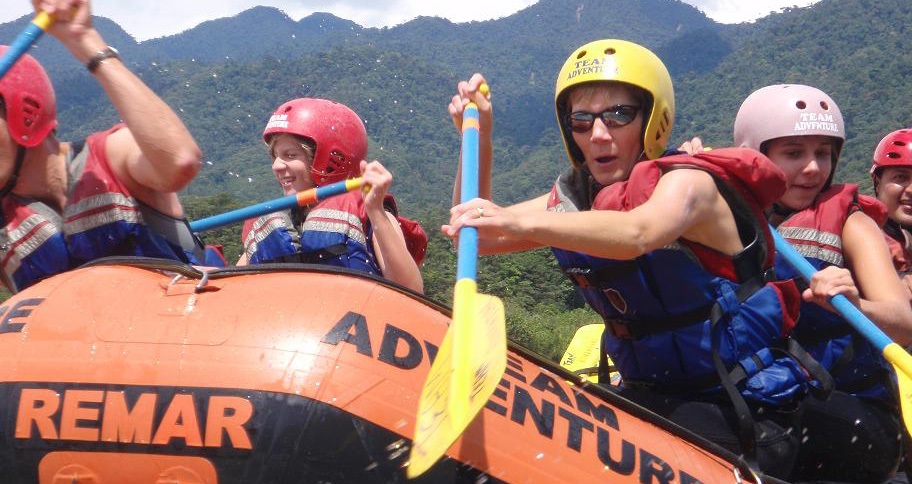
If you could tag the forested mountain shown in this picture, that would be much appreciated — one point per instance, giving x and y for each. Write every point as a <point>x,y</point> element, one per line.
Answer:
<point>225,76</point>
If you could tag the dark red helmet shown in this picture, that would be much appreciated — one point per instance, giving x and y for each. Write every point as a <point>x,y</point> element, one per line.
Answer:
<point>337,132</point>
<point>31,108</point>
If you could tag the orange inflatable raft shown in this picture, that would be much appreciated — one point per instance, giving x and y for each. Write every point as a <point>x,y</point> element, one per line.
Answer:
<point>143,370</point>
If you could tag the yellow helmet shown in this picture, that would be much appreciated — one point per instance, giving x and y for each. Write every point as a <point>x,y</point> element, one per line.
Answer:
<point>621,61</point>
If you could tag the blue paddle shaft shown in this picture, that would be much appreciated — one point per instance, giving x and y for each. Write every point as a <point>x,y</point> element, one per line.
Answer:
<point>241,214</point>
<point>467,255</point>
<point>855,317</point>
<point>19,46</point>
<point>290,201</point>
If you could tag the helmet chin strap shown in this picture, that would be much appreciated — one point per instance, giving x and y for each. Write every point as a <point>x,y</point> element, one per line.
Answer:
<point>11,183</point>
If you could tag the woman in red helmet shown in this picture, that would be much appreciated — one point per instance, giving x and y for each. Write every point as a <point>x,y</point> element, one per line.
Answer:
<point>854,435</point>
<point>892,175</point>
<point>115,193</point>
<point>313,142</point>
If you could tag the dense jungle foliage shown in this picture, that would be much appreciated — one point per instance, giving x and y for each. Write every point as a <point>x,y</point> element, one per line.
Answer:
<point>225,76</point>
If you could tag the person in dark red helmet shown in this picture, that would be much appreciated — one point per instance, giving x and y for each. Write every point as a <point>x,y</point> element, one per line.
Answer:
<point>313,142</point>
<point>891,171</point>
<point>114,193</point>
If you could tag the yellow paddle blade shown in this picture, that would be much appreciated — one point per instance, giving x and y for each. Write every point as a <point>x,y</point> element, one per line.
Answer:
<point>469,364</point>
<point>902,365</point>
<point>583,351</point>
<point>905,397</point>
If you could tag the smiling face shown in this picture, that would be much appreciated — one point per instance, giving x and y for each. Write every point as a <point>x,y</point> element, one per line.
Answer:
<point>291,160</point>
<point>894,189</point>
<point>609,152</point>
<point>807,162</point>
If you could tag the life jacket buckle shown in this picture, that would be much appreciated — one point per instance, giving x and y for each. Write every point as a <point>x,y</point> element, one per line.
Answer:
<point>580,276</point>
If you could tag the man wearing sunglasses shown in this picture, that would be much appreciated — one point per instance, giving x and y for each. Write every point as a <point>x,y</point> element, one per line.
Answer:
<point>672,252</point>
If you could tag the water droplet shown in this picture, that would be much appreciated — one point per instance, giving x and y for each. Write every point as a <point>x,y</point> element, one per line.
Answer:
<point>540,455</point>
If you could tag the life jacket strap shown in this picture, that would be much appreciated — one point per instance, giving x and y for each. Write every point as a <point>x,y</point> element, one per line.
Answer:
<point>640,328</point>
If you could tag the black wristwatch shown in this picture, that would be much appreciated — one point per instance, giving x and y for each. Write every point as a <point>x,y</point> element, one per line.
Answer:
<point>108,53</point>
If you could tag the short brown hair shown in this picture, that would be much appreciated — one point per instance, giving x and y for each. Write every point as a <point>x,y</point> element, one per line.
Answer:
<point>306,143</point>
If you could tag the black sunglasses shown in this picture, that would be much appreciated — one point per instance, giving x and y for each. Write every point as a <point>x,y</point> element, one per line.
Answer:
<point>613,117</point>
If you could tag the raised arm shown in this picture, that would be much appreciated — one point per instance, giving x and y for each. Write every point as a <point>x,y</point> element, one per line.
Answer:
<point>396,263</point>
<point>155,156</point>
<point>470,91</point>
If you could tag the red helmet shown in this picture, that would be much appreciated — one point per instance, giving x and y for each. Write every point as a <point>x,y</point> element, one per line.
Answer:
<point>337,132</point>
<point>895,149</point>
<point>31,108</point>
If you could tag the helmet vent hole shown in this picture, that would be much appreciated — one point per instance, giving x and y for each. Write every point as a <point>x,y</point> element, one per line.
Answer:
<point>610,51</point>
<point>800,105</point>
<point>336,161</point>
<point>665,117</point>
<point>899,143</point>
<point>893,155</point>
<point>581,54</point>
<point>824,105</point>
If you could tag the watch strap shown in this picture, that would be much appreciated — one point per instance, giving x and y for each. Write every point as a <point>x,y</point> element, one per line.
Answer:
<point>108,53</point>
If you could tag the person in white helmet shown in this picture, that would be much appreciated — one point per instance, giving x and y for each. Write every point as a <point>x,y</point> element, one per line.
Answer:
<point>853,436</point>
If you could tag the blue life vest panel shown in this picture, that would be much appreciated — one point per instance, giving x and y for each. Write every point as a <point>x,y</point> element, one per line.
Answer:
<point>660,308</point>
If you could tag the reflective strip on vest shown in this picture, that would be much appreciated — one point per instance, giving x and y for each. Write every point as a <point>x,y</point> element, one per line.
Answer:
<point>336,221</point>
<point>25,239</point>
<point>796,235</point>
<point>100,210</point>
<point>261,229</point>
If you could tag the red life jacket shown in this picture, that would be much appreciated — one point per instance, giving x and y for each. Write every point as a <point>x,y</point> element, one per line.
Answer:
<point>101,218</point>
<point>816,232</point>
<point>335,231</point>
<point>754,178</point>
<point>900,253</point>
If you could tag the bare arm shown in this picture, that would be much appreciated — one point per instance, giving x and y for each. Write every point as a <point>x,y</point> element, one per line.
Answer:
<point>685,203</point>
<point>393,257</point>
<point>883,298</point>
<point>156,156</point>
<point>503,244</point>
